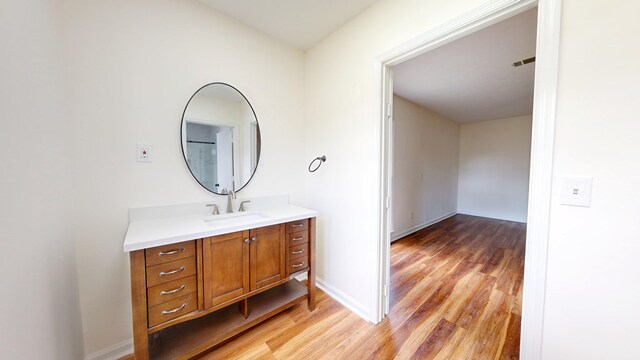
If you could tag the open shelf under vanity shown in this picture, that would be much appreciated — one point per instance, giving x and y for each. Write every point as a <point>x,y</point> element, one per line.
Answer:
<point>196,336</point>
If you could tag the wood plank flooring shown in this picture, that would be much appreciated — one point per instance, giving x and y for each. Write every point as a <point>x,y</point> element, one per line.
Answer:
<point>456,293</point>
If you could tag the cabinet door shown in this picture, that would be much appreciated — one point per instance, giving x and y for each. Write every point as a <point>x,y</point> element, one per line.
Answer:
<point>225,265</point>
<point>267,255</point>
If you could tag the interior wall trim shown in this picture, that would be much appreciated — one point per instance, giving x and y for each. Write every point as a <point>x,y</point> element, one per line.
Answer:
<point>544,113</point>
<point>540,181</point>
<point>398,235</point>
<point>344,299</point>
<point>113,352</point>
<point>503,218</point>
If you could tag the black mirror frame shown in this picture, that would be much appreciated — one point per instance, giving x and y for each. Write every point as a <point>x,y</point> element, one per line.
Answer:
<point>259,137</point>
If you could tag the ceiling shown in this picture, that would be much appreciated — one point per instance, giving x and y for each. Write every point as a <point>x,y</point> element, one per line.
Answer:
<point>472,79</point>
<point>300,23</point>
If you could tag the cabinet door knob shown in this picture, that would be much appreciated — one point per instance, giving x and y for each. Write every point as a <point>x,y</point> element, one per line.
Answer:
<point>254,239</point>
<point>246,241</point>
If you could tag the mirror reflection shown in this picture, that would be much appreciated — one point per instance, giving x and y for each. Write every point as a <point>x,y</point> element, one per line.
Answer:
<point>220,138</point>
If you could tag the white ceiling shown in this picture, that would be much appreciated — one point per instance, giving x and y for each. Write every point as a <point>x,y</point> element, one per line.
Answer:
<point>300,23</point>
<point>471,79</point>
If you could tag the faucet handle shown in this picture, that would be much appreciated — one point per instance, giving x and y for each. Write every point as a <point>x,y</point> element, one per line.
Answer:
<point>241,208</point>
<point>215,209</point>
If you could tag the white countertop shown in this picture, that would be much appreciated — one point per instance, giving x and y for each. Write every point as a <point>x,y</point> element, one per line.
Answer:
<point>147,233</point>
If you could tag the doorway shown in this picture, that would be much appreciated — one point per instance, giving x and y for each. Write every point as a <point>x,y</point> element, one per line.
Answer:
<point>210,153</point>
<point>542,148</point>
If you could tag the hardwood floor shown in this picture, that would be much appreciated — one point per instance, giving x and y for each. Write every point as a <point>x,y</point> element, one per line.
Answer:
<point>456,293</point>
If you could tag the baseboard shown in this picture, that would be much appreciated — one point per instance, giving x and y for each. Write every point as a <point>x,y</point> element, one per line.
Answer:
<point>399,235</point>
<point>493,217</point>
<point>302,276</point>
<point>344,299</point>
<point>113,352</point>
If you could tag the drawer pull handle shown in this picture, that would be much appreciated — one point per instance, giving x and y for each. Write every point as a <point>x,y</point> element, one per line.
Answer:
<point>171,252</point>
<point>163,273</point>
<point>298,238</point>
<point>167,312</point>
<point>297,225</point>
<point>298,265</point>
<point>297,252</point>
<point>169,292</point>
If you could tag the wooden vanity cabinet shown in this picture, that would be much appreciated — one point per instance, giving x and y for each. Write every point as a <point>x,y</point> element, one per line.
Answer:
<point>237,263</point>
<point>267,256</point>
<point>297,246</point>
<point>225,267</point>
<point>185,296</point>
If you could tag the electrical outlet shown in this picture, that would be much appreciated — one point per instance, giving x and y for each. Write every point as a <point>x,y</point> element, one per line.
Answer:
<point>412,215</point>
<point>143,153</point>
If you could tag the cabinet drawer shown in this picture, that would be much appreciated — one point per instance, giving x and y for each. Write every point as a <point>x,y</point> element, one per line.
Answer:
<point>297,265</point>
<point>298,238</point>
<point>297,251</point>
<point>174,289</point>
<point>168,253</point>
<point>172,309</point>
<point>170,271</point>
<point>298,225</point>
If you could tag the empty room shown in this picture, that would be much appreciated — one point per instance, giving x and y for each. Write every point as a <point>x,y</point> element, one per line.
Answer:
<point>460,178</point>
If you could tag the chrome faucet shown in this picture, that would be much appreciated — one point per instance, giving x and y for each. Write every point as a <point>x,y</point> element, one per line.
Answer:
<point>215,209</point>
<point>230,196</point>
<point>241,208</point>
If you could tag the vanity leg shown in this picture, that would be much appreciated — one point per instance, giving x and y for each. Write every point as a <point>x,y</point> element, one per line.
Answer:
<point>244,307</point>
<point>311,281</point>
<point>139,305</point>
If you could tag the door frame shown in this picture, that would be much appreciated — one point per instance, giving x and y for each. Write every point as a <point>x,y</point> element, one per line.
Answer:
<point>543,128</point>
<point>235,162</point>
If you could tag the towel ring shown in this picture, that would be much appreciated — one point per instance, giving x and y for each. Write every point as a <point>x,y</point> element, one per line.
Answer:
<point>321,159</point>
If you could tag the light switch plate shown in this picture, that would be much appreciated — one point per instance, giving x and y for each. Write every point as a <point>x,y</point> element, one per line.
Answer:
<point>143,153</point>
<point>576,191</point>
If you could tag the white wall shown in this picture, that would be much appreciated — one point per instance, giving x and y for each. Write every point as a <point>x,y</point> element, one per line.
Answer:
<point>341,110</point>
<point>592,288</point>
<point>39,288</point>
<point>593,292</point>
<point>425,167</point>
<point>133,65</point>
<point>494,168</point>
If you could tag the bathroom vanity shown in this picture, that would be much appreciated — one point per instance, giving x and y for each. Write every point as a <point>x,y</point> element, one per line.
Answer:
<point>197,280</point>
<point>199,277</point>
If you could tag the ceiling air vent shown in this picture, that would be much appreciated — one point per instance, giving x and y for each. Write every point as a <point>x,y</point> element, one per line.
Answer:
<point>524,62</point>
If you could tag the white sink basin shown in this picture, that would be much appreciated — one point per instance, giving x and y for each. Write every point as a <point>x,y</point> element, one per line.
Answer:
<point>233,219</point>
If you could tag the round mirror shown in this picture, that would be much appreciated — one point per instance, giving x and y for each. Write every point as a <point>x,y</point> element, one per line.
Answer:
<point>220,138</point>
